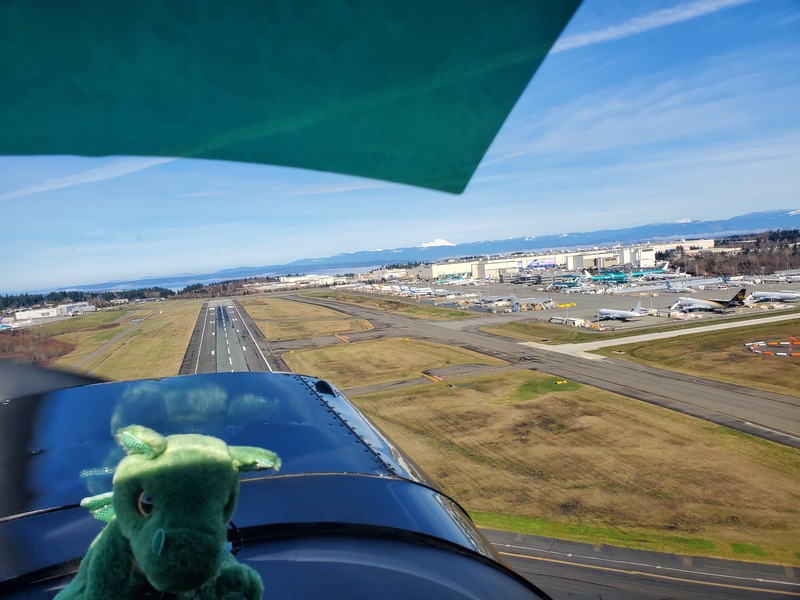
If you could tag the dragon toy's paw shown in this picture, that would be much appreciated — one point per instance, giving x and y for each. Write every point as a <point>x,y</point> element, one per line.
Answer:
<point>238,581</point>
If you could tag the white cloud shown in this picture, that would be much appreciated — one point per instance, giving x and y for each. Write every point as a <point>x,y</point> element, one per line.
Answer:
<point>736,96</point>
<point>637,25</point>
<point>111,170</point>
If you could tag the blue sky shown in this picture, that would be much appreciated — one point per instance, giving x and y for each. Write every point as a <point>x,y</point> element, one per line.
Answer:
<point>645,111</point>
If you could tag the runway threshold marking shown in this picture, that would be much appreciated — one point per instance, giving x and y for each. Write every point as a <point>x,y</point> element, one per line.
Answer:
<point>660,576</point>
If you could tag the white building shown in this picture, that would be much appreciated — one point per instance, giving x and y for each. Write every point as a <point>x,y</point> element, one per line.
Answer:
<point>63,310</point>
<point>637,256</point>
<point>36,313</point>
<point>75,308</point>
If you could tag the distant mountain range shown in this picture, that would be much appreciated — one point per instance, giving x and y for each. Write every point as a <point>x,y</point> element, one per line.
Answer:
<point>438,250</point>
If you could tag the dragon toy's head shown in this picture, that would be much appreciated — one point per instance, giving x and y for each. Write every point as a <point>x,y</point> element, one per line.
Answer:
<point>173,497</point>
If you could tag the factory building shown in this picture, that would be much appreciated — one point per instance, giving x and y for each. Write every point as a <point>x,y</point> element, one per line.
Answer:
<point>36,313</point>
<point>637,257</point>
<point>62,310</point>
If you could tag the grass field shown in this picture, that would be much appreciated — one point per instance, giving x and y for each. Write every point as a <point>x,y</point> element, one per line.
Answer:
<point>287,320</point>
<point>716,354</point>
<point>380,361</point>
<point>523,453</point>
<point>150,340</point>
<point>721,355</point>
<point>409,308</point>
<point>552,334</point>
<point>518,449</point>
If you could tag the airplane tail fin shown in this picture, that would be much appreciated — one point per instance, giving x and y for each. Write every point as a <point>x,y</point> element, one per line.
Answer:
<point>738,299</point>
<point>638,307</point>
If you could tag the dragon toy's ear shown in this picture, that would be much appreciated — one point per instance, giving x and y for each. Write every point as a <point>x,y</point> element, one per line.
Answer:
<point>101,506</point>
<point>136,439</point>
<point>249,458</point>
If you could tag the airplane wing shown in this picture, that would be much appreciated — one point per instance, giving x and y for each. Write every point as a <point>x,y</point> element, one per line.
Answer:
<point>412,92</point>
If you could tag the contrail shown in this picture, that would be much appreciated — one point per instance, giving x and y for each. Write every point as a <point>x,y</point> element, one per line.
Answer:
<point>656,20</point>
<point>109,171</point>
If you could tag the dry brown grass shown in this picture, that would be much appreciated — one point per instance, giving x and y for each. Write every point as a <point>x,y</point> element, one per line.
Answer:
<point>287,320</point>
<point>152,348</point>
<point>380,361</point>
<point>721,355</point>
<point>588,456</point>
<point>406,306</point>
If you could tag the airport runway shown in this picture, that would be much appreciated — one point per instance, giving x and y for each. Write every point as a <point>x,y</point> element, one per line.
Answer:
<point>765,414</point>
<point>225,339</point>
<point>565,570</point>
<point>582,571</point>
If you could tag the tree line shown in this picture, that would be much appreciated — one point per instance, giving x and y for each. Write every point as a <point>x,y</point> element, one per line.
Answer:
<point>21,301</point>
<point>749,254</point>
<point>195,290</point>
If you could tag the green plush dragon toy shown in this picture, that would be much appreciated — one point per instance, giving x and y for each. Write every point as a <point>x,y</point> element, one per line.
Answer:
<point>167,516</point>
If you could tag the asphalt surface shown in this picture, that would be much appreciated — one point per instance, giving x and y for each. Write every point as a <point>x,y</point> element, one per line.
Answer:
<point>565,570</point>
<point>769,415</point>
<point>223,340</point>
<point>570,570</point>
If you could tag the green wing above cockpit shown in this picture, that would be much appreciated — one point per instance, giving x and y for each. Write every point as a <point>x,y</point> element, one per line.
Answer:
<point>410,91</point>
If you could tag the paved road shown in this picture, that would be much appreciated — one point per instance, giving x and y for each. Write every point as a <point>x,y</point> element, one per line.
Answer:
<point>584,348</point>
<point>225,339</point>
<point>568,570</point>
<point>571,570</point>
<point>765,414</point>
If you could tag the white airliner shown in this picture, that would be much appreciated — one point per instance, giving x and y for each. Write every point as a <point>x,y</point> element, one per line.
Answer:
<point>681,289</point>
<point>13,324</point>
<point>659,275</point>
<point>772,297</point>
<point>693,304</point>
<point>622,315</point>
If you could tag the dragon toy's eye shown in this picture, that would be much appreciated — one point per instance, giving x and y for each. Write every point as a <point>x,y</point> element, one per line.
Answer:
<point>145,504</point>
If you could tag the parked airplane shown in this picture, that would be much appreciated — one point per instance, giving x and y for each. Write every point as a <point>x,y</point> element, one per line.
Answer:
<point>610,277</point>
<point>659,275</point>
<point>622,315</point>
<point>693,304</point>
<point>643,272</point>
<point>684,289</point>
<point>13,324</point>
<point>772,297</point>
